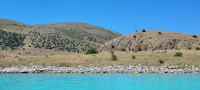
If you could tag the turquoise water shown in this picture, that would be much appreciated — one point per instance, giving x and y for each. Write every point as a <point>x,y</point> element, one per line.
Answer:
<point>100,81</point>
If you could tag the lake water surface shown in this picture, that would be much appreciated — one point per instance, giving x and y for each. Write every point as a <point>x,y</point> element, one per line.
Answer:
<point>99,81</point>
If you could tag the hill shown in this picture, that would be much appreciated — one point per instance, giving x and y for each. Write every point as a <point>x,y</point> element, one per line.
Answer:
<point>9,22</point>
<point>84,31</point>
<point>153,40</point>
<point>66,37</point>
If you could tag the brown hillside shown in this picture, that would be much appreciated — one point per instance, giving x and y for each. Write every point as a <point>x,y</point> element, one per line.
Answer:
<point>153,40</point>
<point>84,31</point>
<point>7,21</point>
<point>66,37</point>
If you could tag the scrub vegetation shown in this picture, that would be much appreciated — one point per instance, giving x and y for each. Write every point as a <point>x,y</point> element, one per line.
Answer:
<point>74,44</point>
<point>144,58</point>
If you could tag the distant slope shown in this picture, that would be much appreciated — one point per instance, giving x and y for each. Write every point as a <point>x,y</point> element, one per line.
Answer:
<point>70,37</point>
<point>84,31</point>
<point>11,22</point>
<point>153,40</point>
<point>11,40</point>
<point>13,26</point>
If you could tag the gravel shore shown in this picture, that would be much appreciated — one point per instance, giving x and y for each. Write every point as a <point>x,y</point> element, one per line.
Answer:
<point>100,69</point>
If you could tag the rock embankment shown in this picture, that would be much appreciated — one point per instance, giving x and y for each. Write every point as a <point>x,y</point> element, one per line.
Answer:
<point>100,69</point>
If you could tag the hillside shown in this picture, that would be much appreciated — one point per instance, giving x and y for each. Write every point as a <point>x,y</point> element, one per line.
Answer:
<point>67,37</point>
<point>9,22</point>
<point>153,40</point>
<point>84,31</point>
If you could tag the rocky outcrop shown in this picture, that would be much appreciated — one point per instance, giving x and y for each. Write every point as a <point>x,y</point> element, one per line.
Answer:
<point>153,40</point>
<point>100,69</point>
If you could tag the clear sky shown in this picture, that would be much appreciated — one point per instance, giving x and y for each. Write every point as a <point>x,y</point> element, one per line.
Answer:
<point>123,16</point>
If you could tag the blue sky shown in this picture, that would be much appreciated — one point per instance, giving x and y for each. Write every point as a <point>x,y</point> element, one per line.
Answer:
<point>123,16</point>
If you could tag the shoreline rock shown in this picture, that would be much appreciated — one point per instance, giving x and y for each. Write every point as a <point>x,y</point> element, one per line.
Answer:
<point>100,69</point>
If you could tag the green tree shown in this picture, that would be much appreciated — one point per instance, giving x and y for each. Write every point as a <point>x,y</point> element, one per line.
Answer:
<point>91,51</point>
<point>197,48</point>
<point>133,56</point>
<point>194,36</point>
<point>113,56</point>
<point>143,30</point>
<point>178,54</point>
<point>161,61</point>
<point>134,36</point>
<point>139,49</point>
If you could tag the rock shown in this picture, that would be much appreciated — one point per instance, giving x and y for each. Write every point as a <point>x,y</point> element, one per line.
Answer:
<point>104,69</point>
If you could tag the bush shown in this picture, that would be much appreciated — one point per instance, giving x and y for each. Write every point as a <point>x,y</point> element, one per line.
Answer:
<point>134,50</point>
<point>159,33</point>
<point>91,51</point>
<point>139,49</point>
<point>113,46</point>
<point>134,36</point>
<point>161,61</point>
<point>133,56</point>
<point>197,48</point>
<point>178,54</point>
<point>113,56</point>
<point>194,36</point>
<point>189,48</point>
<point>46,56</point>
<point>143,30</point>
<point>122,49</point>
<point>174,40</point>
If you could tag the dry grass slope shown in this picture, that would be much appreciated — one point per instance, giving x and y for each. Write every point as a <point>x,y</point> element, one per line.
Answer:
<point>153,40</point>
<point>143,58</point>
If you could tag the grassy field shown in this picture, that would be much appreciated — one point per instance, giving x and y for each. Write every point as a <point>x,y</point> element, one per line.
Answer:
<point>143,58</point>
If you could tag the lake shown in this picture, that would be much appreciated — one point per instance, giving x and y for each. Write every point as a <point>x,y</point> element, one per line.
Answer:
<point>99,81</point>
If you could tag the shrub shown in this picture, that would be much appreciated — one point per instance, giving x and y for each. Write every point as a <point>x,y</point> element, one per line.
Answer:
<point>113,46</point>
<point>161,61</point>
<point>197,48</point>
<point>134,50</point>
<point>122,49</point>
<point>194,36</point>
<point>133,56</point>
<point>174,40</point>
<point>134,36</point>
<point>159,33</point>
<point>139,49</point>
<point>143,30</point>
<point>91,51</point>
<point>178,54</point>
<point>46,56</point>
<point>189,48</point>
<point>113,56</point>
